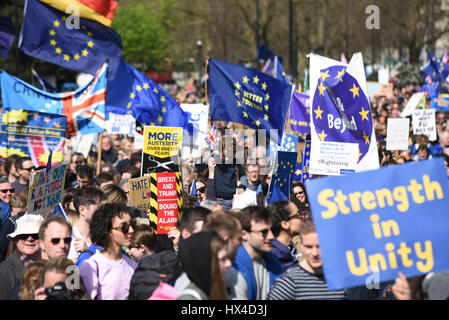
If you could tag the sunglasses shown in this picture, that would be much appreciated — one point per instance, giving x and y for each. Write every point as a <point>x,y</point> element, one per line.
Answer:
<point>263,232</point>
<point>299,192</point>
<point>6,190</point>
<point>29,169</point>
<point>124,228</point>
<point>200,190</point>
<point>56,241</point>
<point>35,236</point>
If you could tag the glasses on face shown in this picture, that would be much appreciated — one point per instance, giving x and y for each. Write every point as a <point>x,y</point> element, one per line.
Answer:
<point>263,232</point>
<point>200,190</point>
<point>299,192</point>
<point>35,236</point>
<point>56,241</point>
<point>8,190</point>
<point>29,169</point>
<point>296,215</point>
<point>124,228</point>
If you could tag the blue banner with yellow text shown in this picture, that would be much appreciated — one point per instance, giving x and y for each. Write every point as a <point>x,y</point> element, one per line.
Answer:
<point>396,222</point>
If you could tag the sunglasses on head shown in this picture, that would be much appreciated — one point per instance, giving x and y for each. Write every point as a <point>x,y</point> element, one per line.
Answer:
<point>56,241</point>
<point>6,190</point>
<point>35,236</point>
<point>124,228</point>
<point>200,190</point>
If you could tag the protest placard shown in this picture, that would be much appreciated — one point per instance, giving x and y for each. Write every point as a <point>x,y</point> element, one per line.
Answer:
<point>411,105</point>
<point>160,196</point>
<point>386,90</point>
<point>333,158</point>
<point>161,149</point>
<point>46,188</point>
<point>398,133</point>
<point>423,122</point>
<point>120,123</point>
<point>378,223</point>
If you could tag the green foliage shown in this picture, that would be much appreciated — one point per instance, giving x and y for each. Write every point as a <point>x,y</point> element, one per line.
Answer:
<point>147,31</point>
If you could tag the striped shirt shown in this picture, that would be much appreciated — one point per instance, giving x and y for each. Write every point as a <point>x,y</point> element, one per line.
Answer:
<point>299,284</point>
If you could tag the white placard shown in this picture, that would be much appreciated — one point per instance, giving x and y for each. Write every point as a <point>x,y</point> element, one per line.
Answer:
<point>412,104</point>
<point>383,76</point>
<point>333,158</point>
<point>198,115</point>
<point>82,143</point>
<point>424,123</point>
<point>398,133</point>
<point>121,124</point>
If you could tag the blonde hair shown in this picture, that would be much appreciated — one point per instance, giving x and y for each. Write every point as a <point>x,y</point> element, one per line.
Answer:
<point>18,201</point>
<point>32,278</point>
<point>72,215</point>
<point>114,194</point>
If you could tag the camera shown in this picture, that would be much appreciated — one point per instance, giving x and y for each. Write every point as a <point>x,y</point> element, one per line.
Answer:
<point>59,292</point>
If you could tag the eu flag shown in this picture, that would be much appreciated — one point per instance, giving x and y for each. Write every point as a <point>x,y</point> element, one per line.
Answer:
<point>46,35</point>
<point>249,97</point>
<point>436,69</point>
<point>273,67</point>
<point>132,92</point>
<point>7,34</point>
<point>283,172</point>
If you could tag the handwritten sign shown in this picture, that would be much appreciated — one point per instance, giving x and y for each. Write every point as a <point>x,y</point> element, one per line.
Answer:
<point>45,191</point>
<point>398,133</point>
<point>140,193</point>
<point>424,123</point>
<point>333,158</point>
<point>382,221</point>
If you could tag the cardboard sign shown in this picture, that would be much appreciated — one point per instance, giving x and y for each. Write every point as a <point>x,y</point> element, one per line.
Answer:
<point>398,133</point>
<point>120,123</point>
<point>333,158</point>
<point>161,149</point>
<point>424,123</point>
<point>46,189</point>
<point>386,90</point>
<point>140,193</point>
<point>374,224</point>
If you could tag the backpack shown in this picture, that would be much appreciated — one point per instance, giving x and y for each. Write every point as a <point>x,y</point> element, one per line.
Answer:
<point>161,266</point>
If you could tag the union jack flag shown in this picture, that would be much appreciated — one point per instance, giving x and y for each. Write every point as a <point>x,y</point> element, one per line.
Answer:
<point>210,139</point>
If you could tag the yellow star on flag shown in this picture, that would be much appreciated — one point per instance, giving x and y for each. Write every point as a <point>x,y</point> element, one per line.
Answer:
<point>238,85</point>
<point>256,80</point>
<point>355,91</point>
<point>58,50</point>
<point>146,86</point>
<point>164,110</point>
<point>245,114</point>
<point>160,119</point>
<point>90,44</point>
<point>325,75</point>
<point>156,91</point>
<point>266,107</point>
<point>47,105</point>
<point>152,124</point>
<point>89,34</point>
<point>239,104</point>
<point>366,138</point>
<point>257,122</point>
<point>340,75</point>
<point>237,93</point>
<point>322,135</point>
<point>52,32</point>
<point>321,88</point>
<point>264,86</point>
<point>138,88</point>
<point>76,57</point>
<point>266,117</point>
<point>85,53</point>
<point>162,99</point>
<point>64,18</point>
<point>319,113</point>
<point>364,114</point>
<point>358,158</point>
<point>66,57</point>
<point>53,42</point>
<point>57,125</point>
<point>53,102</point>
<point>267,97</point>
<point>129,105</point>
<point>132,95</point>
<point>56,23</point>
<point>47,119</point>
<point>298,172</point>
<point>245,79</point>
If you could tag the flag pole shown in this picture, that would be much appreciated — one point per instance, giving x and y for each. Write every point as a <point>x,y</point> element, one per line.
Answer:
<point>100,140</point>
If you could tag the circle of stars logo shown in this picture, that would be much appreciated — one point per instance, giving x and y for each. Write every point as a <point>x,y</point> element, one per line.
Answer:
<point>253,99</point>
<point>341,111</point>
<point>158,97</point>
<point>59,51</point>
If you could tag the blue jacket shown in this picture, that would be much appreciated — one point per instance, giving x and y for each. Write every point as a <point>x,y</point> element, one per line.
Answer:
<point>286,255</point>
<point>244,265</point>
<point>6,212</point>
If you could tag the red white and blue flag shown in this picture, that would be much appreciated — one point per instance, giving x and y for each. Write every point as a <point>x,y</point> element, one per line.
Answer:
<point>211,138</point>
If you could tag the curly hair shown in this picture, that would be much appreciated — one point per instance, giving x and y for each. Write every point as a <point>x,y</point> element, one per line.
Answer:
<point>32,278</point>
<point>101,223</point>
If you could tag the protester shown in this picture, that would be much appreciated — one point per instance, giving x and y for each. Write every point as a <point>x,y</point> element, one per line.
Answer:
<point>107,274</point>
<point>144,242</point>
<point>31,280</point>
<point>108,153</point>
<point>85,176</point>
<point>55,235</point>
<point>24,167</point>
<point>10,168</point>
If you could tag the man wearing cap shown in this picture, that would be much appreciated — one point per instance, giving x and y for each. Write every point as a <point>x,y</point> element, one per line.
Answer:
<point>26,250</point>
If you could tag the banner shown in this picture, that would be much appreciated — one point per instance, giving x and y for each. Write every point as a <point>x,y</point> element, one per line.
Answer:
<point>32,134</point>
<point>340,109</point>
<point>289,143</point>
<point>398,131</point>
<point>161,149</point>
<point>46,189</point>
<point>395,223</point>
<point>423,122</point>
<point>160,196</point>
<point>333,158</point>
<point>299,119</point>
<point>121,124</point>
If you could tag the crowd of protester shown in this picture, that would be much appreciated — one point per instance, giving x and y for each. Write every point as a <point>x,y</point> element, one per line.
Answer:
<point>230,243</point>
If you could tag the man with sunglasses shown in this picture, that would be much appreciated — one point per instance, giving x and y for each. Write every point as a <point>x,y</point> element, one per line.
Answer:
<point>25,240</point>
<point>255,268</point>
<point>24,167</point>
<point>55,234</point>
<point>6,193</point>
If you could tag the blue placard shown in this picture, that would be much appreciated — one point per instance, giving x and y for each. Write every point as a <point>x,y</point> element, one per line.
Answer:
<point>387,220</point>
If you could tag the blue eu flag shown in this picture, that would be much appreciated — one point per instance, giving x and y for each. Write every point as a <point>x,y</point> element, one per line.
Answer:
<point>436,68</point>
<point>273,67</point>
<point>85,48</point>
<point>132,92</point>
<point>283,172</point>
<point>249,97</point>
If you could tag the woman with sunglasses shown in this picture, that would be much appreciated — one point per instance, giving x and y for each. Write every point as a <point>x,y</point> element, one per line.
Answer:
<point>107,274</point>
<point>299,191</point>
